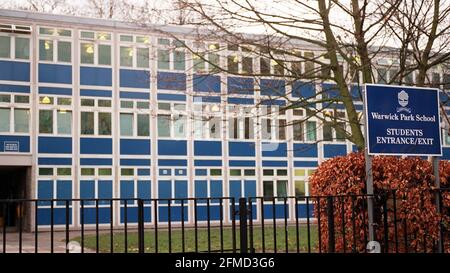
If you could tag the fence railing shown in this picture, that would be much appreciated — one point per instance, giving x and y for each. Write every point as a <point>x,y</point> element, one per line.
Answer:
<point>310,224</point>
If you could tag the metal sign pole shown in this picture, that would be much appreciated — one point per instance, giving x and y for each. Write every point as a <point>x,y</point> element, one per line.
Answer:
<point>369,188</point>
<point>437,184</point>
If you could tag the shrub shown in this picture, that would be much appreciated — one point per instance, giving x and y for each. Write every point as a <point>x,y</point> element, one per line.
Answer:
<point>410,179</point>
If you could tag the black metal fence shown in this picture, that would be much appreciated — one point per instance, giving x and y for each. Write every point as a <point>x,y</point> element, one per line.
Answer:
<point>256,224</point>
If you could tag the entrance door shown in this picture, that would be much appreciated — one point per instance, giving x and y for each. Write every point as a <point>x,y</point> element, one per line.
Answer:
<point>12,186</point>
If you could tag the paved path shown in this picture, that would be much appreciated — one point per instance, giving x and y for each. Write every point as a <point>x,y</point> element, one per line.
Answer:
<point>28,242</point>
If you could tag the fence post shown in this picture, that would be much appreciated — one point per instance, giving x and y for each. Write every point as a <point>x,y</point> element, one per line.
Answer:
<point>141,225</point>
<point>243,225</point>
<point>330,213</point>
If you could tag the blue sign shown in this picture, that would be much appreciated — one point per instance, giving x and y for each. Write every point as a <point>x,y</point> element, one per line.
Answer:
<point>402,120</point>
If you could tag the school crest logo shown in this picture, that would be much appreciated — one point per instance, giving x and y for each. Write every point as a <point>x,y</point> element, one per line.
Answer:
<point>403,100</point>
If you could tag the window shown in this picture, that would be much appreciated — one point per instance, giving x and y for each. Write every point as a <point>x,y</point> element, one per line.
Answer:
<point>296,68</point>
<point>64,121</point>
<point>179,60</point>
<point>247,65</point>
<point>87,53</point>
<point>87,123</point>
<point>215,172</point>
<point>327,131</point>
<point>143,57</point>
<point>233,64</point>
<point>126,56</point>
<point>22,50</point>
<point>46,121</point>
<point>143,124</point>
<point>301,183</point>
<point>64,51</point>
<point>278,67</point>
<point>298,131</point>
<point>163,59</point>
<point>104,54</point>
<point>435,80</point>
<point>199,62</point>
<point>126,124</point>
<point>5,47</point>
<point>46,171</point>
<point>163,125</point>
<point>282,129</point>
<point>264,66</point>
<point>4,119</point>
<point>309,64</point>
<point>311,131</point>
<point>21,117</point>
<point>104,123</point>
<point>45,50</point>
<point>340,133</point>
<point>268,190</point>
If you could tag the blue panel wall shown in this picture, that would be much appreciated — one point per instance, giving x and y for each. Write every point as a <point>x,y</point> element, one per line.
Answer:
<point>45,189</point>
<point>55,73</point>
<point>305,164</point>
<point>235,189</point>
<point>241,148</point>
<point>105,189</point>
<point>55,91</point>
<point>23,143</point>
<point>171,81</point>
<point>55,145</point>
<point>95,76</point>
<point>303,90</point>
<point>181,189</point>
<point>201,188</point>
<point>216,188</point>
<point>274,149</point>
<point>134,78</point>
<point>87,189</point>
<point>144,189</point>
<point>14,88</point>
<point>14,71</point>
<point>127,189</point>
<point>134,162</point>
<point>445,153</point>
<point>95,145</point>
<point>272,87</point>
<point>59,216</point>
<point>238,85</point>
<point>305,150</point>
<point>54,161</point>
<point>95,93</point>
<point>164,189</point>
<point>63,189</point>
<point>96,161</point>
<point>134,147</point>
<point>250,188</point>
<point>171,97</point>
<point>172,147</point>
<point>215,163</point>
<point>206,83</point>
<point>208,148</point>
<point>332,150</point>
<point>241,101</point>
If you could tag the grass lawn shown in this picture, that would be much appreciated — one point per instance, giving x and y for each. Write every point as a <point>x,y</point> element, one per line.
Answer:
<point>202,233</point>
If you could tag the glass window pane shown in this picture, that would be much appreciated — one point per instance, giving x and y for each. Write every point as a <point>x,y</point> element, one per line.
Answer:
<point>104,36</point>
<point>214,60</point>
<point>311,131</point>
<point>21,118</point>
<point>22,48</point>
<point>105,171</point>
<point>104,54</point>
<point>214,127</point>
<point>87,171</point>
<point>282,188</point>
<point>87,34</point>
<point>126,56</point>
<point>142,105</point>
<point>104,123</point>
<point>64,101</point>
<point>46,121</point>
<point>46,50</point>
<point>300,172</point>
<point>264,66</point>
<point>64,32</point>
<point>126,124</point>
<point>215,172</point>
<point>87,102</point>
<point>300,188</point>
<point>248,127</point>
<point>142,39</point>
<point>143,57</point>
<point>45,171</point>
<point>46,31</point>
<point>179,60</point>
<point>233,64</point>
<point>268,190</point>
<point>327,132</point>
<point>249,172</point>
<point>179,126</point>
<point>340,134</point>
<point>64,51</point>
<point>235,172</point>
<point>87,53</point>
<point>126,38</point>
<point>282,129</point>
<point>162,41</point>
<point>21,99</point>
<point>268,172</point>
<point>104,103</point>
<point>143,124</point>
<point>5,98</point>
<point>163,59</point>
<point>164,106</point>
<point>64,122</point>
<point>298,131</point>
<point>5,47</point>
<point>127,171</point>
<point>64,171</point>
<point>87,123</point>
<point>126,104</point>
<point>4,119</point>
<point>46,100</point>
<point>164,125</point>
<point>199,63</point>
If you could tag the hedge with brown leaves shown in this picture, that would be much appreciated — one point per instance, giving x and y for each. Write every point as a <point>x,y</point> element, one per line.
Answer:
<point>413,181</point>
